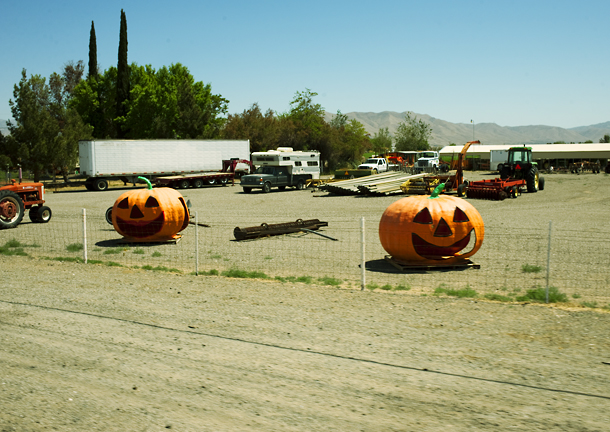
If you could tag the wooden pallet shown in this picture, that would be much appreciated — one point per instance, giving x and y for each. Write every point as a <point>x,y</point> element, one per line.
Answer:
<point>403,267</point>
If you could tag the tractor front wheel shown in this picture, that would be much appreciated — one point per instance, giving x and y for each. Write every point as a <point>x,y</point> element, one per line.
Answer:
<point>11,209</point>
<point>44,214</point>
<point>33,214</point>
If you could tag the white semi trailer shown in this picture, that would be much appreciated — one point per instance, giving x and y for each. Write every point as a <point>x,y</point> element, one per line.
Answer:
<point>126,160</point>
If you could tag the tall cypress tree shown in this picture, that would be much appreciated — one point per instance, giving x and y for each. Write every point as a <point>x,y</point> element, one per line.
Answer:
<point>122,88</point>
<point>92,54</point>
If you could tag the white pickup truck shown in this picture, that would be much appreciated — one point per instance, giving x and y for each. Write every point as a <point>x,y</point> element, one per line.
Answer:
<point>376,164</point>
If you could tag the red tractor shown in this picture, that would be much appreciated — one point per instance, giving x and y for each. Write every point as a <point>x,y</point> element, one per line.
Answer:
<point>15,199</point>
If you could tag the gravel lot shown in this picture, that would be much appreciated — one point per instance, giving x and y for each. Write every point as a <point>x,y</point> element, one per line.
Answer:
<point>92,347</point>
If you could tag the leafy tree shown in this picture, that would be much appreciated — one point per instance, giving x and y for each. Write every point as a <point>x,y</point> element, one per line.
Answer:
<point>261,129</point>
<point>46,132</point>
<point>122,92</point>
<point>349,140</point>
<point>170,104</point>
<point>382,141</point>
<point>412,134</point>
<point>605,139</point>
<point>95,101</point>
<point>304,127</point>
<point>92,74</point>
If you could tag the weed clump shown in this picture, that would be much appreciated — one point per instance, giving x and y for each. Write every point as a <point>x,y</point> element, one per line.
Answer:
<point>538,295</point>
<point>527,268</point>
<point>460,293</point>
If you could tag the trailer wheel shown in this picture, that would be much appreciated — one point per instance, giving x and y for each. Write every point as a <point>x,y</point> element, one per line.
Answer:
<point>100,185</point>
<point>183,184</point>
<point>197,183</point>
<point>267,187</point>
<point>247,190</point>
<point>300,185</point>
<point>211,181</point>
<point>224,181</point>
<point>11,209</point>
<point>109,215</point>
<point>44,214</point>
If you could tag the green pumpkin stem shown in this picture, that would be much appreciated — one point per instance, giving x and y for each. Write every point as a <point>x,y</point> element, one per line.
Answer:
<point>148,183</point>
<point>437,191</point>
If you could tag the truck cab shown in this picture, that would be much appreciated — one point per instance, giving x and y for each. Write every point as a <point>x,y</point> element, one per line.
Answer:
<point>375,164</point>
<point>427,161</point>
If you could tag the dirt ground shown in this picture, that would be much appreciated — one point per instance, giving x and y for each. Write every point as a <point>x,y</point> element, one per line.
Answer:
<point>97,348</point>
<point>104,349</point>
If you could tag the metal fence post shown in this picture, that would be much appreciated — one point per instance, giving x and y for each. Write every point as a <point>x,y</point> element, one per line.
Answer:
<point>548,262</point>
<point>363,261</point>
<point>196,245</point>
<point>85,235</point>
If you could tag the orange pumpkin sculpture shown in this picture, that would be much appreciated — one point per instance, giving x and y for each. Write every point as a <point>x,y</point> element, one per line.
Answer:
<point>150,214</point>
<point>431,230</point>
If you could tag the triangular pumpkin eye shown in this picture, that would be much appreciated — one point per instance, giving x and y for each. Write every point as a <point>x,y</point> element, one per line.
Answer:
<point>124,204</point>
<point>423,217</point>
<point>151,202</point>
<point>460,216</point>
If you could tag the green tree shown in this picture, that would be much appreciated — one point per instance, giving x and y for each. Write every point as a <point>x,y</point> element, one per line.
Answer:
<point>170,104</point>
<point>412,134</point>
<point>122,87</point>
<point>92,74</point>
<point>45,132</point>
<point>261,129</point>
<point>304,127</point>
<point>95,101</point>
<point>349,141</point>
<point>605,139</point>
<point>382,141</point>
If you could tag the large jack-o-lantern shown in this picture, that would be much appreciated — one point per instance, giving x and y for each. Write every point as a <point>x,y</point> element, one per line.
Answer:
<point>149,214</point>
<point>431,230</point>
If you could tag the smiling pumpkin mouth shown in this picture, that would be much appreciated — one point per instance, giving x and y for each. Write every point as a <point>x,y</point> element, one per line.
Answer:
<point>433,252</point>
<point>141,229</point>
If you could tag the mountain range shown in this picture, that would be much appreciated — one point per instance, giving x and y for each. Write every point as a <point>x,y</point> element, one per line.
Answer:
<point>445,133</point>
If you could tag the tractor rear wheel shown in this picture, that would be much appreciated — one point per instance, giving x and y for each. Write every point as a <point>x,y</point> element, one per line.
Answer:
<point>11,209</point>
<point>532,179</point>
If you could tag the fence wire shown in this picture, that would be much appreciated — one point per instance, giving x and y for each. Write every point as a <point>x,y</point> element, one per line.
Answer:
<point>510,262</point>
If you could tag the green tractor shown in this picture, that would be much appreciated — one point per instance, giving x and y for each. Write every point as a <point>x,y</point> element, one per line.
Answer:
<point>520,166</point>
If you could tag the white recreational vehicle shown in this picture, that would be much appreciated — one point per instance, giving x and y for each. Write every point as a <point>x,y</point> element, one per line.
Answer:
<point>280,168</point>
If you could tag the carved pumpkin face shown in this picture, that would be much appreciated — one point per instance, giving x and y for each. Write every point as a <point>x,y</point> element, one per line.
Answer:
<point>435,230</point>
<point>150,214</point>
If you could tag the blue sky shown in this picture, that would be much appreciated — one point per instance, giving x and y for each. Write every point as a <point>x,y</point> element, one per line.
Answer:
<point>513,63</point>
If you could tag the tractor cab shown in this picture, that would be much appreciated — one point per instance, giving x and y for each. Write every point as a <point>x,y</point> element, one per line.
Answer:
<point>520,155</point>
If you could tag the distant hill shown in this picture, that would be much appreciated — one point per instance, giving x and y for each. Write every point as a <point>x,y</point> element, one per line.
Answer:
<point>445,133</point>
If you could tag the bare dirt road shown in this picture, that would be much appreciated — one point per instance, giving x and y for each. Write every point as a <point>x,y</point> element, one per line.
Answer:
<point>96,348</point>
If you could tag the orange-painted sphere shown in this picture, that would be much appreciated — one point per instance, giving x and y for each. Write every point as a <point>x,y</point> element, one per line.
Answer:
<point>428,230</point>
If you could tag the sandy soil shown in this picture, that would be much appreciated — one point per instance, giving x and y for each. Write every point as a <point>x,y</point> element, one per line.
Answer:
<point>97,348</point>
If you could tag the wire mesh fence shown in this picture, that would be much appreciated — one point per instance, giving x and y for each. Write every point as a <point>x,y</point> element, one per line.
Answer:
<point>575,263</point>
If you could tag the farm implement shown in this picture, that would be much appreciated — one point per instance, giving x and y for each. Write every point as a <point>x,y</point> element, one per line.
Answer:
<point>266,230</point>
<point>517,174</point>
